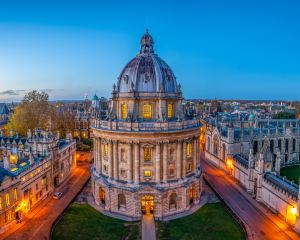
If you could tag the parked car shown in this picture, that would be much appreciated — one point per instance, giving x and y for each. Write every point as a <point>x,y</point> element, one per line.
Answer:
<point>57,195</point>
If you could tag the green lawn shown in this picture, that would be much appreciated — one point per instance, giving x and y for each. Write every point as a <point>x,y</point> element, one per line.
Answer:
<point>291,173</point>
<point>211,222</point>
<point>81,222</point>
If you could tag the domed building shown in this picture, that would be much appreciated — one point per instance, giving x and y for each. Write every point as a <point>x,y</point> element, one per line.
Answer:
<point>146,152</point>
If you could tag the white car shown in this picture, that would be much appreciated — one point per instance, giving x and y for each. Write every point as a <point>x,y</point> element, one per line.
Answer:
<point>57,195</point>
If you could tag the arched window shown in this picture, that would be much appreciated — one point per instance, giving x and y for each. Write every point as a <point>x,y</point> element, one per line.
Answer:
<point>208,145</point>
<point>147,154</point>
<point>170,110</point>
<point>173,201</point>
<point>216,145</point>
<point>102,195</point>
<point>147,111</point>
<point>123,110</point>
<point>105,150</point>
<point>189,150</point>
<point>223,152</point>
<point>121,201</point>
<point>294,145</point>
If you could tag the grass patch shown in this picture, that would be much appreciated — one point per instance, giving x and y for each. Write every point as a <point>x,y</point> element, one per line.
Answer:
<point>211,222</point>
<point>81,222</point>
<point>292,173</point>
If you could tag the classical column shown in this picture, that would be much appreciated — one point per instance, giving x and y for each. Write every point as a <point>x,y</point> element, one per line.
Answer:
<point>130,160</point>
<point>99,156</point>
<point>184,160</point>
<point>179,158</point>
<point>110,159</point>
<point>96,154</point>
<point>165,161</point>
<point>115,164</point>
<point>195,154</point>
<point>136,162</point>
<point>157,161</point>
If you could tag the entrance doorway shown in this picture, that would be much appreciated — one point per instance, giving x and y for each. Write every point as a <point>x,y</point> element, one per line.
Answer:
<point>192,193</point>
<point>147,204</point>
<point>55,181</point>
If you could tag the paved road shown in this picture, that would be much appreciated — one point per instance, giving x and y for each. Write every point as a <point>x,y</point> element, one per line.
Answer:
<point>148,227</point>
<point>259,221</point>
<point>37,225</point>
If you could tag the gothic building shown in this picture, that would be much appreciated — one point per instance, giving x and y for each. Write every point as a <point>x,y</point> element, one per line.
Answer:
<point>253,151</point>
<point>30,169</point>
<point>146,152</point>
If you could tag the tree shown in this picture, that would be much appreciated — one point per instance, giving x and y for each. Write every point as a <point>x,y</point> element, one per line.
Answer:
<point>35,111</point>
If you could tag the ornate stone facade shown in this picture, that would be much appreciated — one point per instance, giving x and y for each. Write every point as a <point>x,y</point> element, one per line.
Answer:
<point>146,153</point>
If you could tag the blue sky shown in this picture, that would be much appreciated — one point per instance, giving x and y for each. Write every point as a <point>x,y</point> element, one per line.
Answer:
<point>217,49</point>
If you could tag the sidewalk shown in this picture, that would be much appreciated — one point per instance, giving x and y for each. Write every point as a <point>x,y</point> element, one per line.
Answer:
<point>37,224</point>
<point>148,227</point>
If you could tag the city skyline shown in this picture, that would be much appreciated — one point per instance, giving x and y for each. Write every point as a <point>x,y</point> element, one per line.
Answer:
<point>232,51</point>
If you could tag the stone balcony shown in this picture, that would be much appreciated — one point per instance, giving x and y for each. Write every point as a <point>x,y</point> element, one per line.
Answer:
<point>149,126</point>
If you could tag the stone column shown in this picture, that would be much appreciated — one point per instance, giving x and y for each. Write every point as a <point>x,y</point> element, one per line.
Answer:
<point>179,158</point>
<point>184,160</point>
<point>136,162</point>
<point>194,154</point>
<point>157,168</point>
<point>96,154</point>
<point>110,159</point>
<point>115,164</point>
<point>99,157</point>
<point>130,160</point>
<point>165,161</point>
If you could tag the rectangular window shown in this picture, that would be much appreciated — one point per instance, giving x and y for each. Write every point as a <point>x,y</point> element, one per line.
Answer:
<point>1,203</point>
<point>147,111</point>
<point>105,168</point>
<point>105,150</point>
<point>189,150</point>
<point>7,199</point>
<point>124,111</point>
<point>147,154</point>
<point>44,180</point>
<point>170,110</point>
<point>147,173</point>
<point>15,194</point>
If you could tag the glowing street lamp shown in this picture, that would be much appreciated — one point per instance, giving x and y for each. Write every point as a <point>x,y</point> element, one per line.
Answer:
<point>294,210</point>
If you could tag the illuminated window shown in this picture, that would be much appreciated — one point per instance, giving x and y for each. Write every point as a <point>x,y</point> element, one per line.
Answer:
<point>44,180</point>
<point>105,150</point>
<point>147,173</point>
<point>15,194</point>
<point>13,159</point>
<point>170,110</point>
<point>147,154</point>
<point>7,199</point>
<point>147,111</point>
<point>0,202</point>
<point>124,111</point>
<point>189,150</point>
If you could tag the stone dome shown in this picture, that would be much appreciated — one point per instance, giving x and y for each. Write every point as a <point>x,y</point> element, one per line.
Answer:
<point>147,72</point>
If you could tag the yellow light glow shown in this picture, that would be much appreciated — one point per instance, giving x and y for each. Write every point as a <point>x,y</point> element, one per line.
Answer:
<point>23,164</point>
<point>147,111</point>
<point>13,169</point>
<point>294,210</point>
<point>77,155</point>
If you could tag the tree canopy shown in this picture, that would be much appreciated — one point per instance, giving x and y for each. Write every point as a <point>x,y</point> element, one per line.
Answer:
<point>35,111</point>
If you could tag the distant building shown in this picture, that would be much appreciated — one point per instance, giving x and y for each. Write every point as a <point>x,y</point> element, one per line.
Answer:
<point>4,115</point>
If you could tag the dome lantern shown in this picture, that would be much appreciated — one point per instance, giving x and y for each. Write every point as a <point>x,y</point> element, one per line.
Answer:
<point>147,43</point>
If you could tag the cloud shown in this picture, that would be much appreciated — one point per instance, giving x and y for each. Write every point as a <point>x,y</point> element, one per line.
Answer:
<point>10,92</point>
<point>48,90</point>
